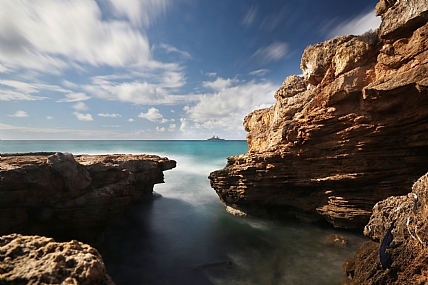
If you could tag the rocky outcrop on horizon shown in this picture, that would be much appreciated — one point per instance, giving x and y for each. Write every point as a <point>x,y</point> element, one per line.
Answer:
<point>40,260</point>
<point>73,197</point>
<point>351,132</point>
<point>410,234</point>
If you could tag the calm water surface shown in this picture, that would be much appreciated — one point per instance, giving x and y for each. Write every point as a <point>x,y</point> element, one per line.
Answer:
<point>186,237</point>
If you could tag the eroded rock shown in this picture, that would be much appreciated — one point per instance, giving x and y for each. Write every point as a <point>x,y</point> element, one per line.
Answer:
<point>410,257</point>
<point>351,132</point>
<point>40,260</point>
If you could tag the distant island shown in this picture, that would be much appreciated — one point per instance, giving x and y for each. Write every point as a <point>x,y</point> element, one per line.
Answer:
<point>215,138</point>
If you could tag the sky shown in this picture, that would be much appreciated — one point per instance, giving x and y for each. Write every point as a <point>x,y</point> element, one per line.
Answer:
<point>155,69</point>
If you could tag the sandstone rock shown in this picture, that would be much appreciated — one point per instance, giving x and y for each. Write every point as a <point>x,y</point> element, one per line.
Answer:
<point>351,132</point>
<point>40,260</point>
<point>401,18</point>
<point>68,197</point>
<point>410,257</point>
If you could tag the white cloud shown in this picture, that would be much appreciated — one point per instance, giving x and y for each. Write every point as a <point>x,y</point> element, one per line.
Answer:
<point>19,114</point>
<point>183,124</point>
<point>172,127</point>
<point>18,90</point>
<point>106,115</point>
<point>140,12</point>
<point>220,83</point>
<point>83,117</point>
<point>160,130</point>
<point>74,97</point>
<point>80,106</point>
<point>49,117</point>
<point>153,115</point>
<point>211,74</point>
<point>131,120</point>
<point>356,26</point>
<point>273,52</point>
<point>45,36</point>
<point>156,92</point>
<point>228,107</point>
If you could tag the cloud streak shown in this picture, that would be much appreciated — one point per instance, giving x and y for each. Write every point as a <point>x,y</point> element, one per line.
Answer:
<point>356,26</point>
<point>274,52</point>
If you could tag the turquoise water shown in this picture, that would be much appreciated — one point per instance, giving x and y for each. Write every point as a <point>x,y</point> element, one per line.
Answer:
<point>186,237</point>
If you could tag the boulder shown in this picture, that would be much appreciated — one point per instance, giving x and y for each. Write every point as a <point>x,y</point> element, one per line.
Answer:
<point>40,260</point>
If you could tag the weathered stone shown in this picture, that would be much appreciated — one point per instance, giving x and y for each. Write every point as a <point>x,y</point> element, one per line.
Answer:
<point>410,234</point>
<point>40,260</point>
<point>68,197</point>
<point>352,132</point>
<point>401,18</point>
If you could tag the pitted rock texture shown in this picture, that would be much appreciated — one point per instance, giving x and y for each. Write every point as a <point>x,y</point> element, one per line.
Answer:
<point>410,257</point>
<point>66,196</point>
<point>40,260</point>
<point>351,132</point>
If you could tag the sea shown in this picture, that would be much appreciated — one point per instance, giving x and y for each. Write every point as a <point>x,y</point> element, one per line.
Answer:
<point>186,237</point>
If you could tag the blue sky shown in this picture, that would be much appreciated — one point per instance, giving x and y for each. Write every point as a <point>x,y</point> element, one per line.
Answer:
<point>155,69</point>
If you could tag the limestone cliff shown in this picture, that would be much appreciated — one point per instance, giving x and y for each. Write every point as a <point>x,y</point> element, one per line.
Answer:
<point>39,260</point>
<point>66,196</point>
<point>349,133</point>
<point>410,234</point>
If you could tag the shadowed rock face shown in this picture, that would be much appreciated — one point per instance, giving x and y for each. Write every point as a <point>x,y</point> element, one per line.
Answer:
<point>351,132</point>
<point>68,196</point>
<point>41,260</point>
<point>410,256</point>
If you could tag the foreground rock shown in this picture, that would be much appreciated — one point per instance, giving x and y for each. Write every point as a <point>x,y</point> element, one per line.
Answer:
<point>73,197</point>
<point>410,257</point>
<point>351,132</point>
<point>40,260</point>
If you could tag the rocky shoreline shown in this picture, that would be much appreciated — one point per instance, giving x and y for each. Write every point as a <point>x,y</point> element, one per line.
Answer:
<point>73,197</point>
<point>349,133</point>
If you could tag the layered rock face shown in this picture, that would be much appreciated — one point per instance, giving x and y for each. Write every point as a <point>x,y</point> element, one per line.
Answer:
<point>410,234</point>
<point>73,197</point>
<point>349,133</point>
<point>41,260</point>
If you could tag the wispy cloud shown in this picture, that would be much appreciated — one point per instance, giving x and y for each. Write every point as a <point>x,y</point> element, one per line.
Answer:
<point>140,13</point>
<point>355,26</point>
<point>33,37</point>
<point>249,17</point>
<point>171,49</point>
<point>106,115</point>
<point>153,115</point>
<point>74,97</point>
<point>19,114</point>
<point>273,52</point>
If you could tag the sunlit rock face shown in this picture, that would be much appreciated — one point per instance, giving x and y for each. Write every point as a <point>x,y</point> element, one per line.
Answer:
<point>349,133</point>
<point>66,196</point>
<point>41,260</point>
<point>409,259</point>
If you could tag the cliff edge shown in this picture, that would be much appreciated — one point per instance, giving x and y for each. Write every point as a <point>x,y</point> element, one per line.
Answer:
<point>351,132</point>
<point>73,197</point>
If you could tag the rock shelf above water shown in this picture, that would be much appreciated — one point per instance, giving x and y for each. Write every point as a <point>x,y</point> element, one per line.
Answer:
<point>73,197</point>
